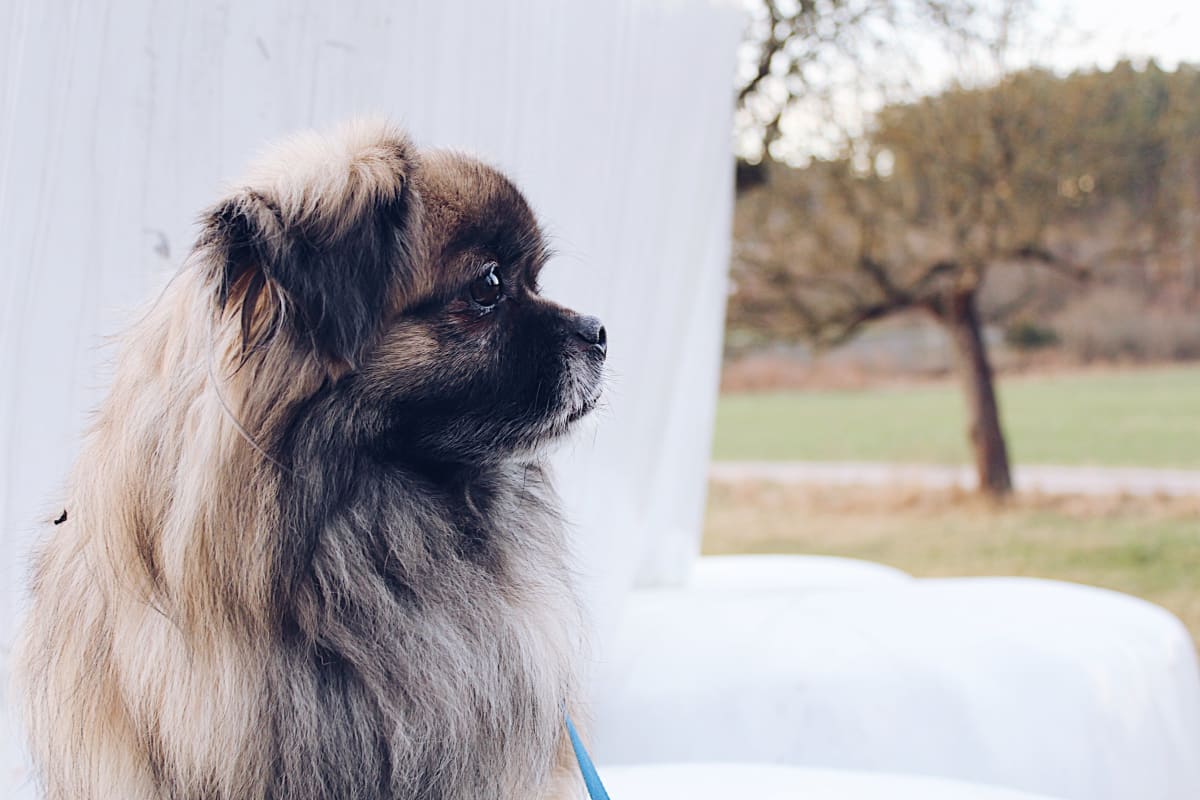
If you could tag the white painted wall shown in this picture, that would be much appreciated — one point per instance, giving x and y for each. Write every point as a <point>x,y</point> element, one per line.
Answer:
<point>118,121</point>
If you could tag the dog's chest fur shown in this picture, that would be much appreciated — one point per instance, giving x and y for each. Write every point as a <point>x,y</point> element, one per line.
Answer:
<point>426,651</point>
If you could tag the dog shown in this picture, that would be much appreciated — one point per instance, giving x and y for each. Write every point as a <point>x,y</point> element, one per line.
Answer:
<point>310,550</point>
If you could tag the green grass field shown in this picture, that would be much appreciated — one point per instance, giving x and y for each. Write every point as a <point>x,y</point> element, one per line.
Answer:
<point>1147,418</point>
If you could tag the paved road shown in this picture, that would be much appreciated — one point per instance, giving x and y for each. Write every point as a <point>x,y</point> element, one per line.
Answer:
<point>1045,479</point>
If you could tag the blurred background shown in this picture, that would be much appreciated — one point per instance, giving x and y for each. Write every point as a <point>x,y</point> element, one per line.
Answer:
<point>965,261</point>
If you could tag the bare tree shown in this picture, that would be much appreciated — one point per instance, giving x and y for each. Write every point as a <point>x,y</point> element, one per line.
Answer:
<point>798,55</point>
<point>918,199</point>
<point>936,195</point>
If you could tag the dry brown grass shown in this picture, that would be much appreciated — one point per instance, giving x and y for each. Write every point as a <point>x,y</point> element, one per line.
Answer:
<point>1148,547</point>
<point>764,372</point>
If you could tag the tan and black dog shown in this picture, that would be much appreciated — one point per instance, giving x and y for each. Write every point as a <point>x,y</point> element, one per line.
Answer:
<point>310,552</point>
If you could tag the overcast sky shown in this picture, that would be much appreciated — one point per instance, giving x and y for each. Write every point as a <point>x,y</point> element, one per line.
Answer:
<point>1064,35</point>
<point>1167,30</point>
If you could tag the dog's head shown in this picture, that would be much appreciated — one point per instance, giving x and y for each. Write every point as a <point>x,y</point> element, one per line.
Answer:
<point>408,281</point>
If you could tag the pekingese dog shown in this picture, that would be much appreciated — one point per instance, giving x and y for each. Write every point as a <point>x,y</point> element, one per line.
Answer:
<point>309,549</point>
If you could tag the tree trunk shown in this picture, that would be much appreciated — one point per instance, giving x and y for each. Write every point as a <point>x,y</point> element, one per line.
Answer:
<point>959,313</point>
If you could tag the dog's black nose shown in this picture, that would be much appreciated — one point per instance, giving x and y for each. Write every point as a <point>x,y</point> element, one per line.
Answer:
<point>591,330</point>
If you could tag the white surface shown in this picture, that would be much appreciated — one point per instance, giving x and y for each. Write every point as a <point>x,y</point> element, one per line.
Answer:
<point>799,573</point>
<point>1045,687</point>
<point>741,782</point>
<point>119,120</point>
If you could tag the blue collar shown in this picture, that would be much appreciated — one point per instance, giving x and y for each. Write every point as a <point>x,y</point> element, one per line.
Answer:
<point>590,778</point>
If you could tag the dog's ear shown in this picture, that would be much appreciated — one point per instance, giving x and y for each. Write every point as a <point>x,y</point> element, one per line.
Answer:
<point>317,251</point>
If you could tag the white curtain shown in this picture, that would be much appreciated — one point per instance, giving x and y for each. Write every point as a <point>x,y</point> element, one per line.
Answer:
<point>119,120</point>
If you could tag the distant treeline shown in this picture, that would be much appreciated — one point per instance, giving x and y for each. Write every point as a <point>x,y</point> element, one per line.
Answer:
<point>1069,204</point>
<point>1127,134</point>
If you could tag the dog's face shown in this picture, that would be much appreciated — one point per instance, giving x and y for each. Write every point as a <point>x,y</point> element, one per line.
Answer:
<point>411,278</point>
<point>479,363</point>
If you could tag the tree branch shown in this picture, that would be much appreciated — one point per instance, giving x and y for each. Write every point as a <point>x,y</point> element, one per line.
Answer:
<point>838,330</point>
<point>1046,258</point>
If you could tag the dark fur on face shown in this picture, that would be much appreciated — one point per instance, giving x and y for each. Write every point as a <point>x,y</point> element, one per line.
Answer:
<point>312,552</point>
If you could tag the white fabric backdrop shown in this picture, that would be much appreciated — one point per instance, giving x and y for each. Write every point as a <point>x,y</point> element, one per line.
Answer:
<point>119,120</point>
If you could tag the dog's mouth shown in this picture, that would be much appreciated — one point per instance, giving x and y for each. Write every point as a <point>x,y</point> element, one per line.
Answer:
<point>583,410</point>
<point>578,411</point>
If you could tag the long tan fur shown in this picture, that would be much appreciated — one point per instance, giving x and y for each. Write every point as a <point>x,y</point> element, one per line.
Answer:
<point>276,578</point>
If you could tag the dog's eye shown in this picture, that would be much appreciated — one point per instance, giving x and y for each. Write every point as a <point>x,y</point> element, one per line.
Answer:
<point>487,289</point>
